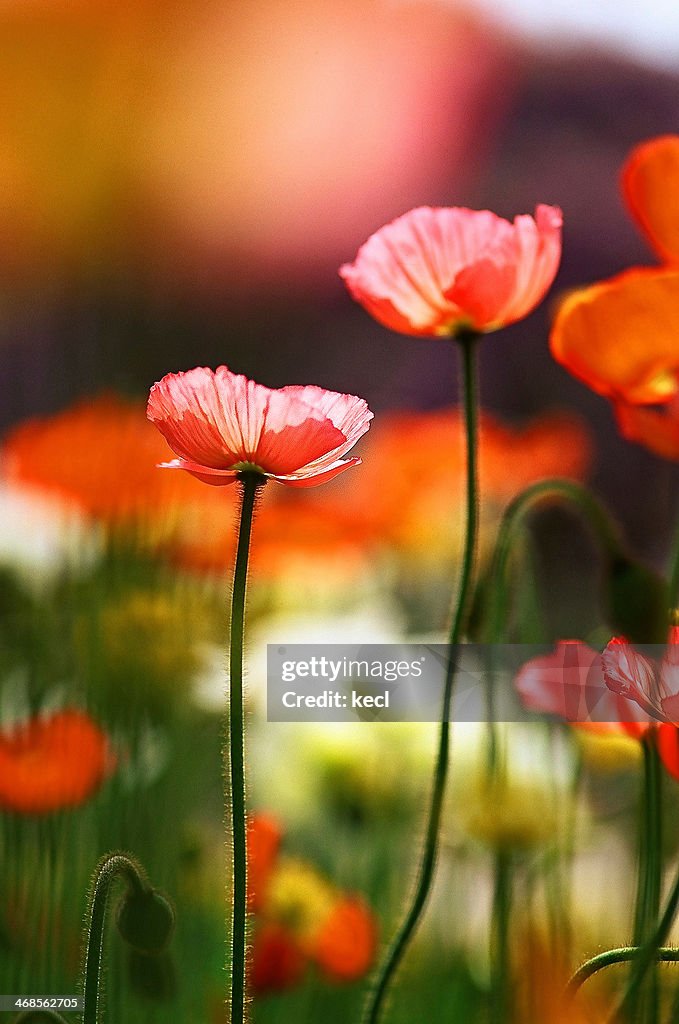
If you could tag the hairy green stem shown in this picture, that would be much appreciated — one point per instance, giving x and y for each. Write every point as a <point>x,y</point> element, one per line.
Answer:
<point>425,875</point>
<point>112,867</point>
<point>250,484</point>
<point>646,954</point>
<point>610,957</point>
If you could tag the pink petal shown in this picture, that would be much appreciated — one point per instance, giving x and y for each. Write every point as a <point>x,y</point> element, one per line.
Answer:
<point>209,418</point>
<point>311,478</point>
<point>216,477</point>
<point>214,421</point>
<point>569,683</point>
<point>434,270</point>
<point>631,675</point>
<point>537,245</point>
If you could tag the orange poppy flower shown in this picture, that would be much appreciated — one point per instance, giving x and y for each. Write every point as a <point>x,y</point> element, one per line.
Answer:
<point>344,946</point>
<point>619,337</point>
<point>51,763</point>
<point>650,185</point>
<point>101,454</point>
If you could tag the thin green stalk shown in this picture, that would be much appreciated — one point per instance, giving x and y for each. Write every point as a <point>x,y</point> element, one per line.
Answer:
<point>115,866</point>
<point>500,968</point>
<point>643,1005</point>
<point>250,483</point>
<point>425,875</point>
<point>615,956</point>
<point>646,954</point>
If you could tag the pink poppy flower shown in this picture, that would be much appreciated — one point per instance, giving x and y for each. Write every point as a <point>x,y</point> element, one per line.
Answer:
<point>439,272</point>
<point>654,685</point>
<point>220,423</point>
<point>570,683</point>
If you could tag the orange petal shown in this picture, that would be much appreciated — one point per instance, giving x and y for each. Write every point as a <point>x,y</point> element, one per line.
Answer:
<point>49,763</point>
<point>620,336</point>
<point>650,184</point>
<point>264,840</point>
<point>656,429</point>
<point>345,944</point>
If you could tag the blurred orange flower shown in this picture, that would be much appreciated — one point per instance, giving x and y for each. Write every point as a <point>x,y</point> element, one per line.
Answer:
<point>101,455</point>
<point>345,942</point>
<point>51,763</point>
<point>413,509</point>
<point>264,840</point>
<point>301,918</point>
<point>619,336</point>
<point>667,742</point>
<point>650,185</point>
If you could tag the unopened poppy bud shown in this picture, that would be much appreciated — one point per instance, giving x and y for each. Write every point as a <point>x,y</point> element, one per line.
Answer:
<point>152,976</point>
<point>637,601</point>
<point>145,920</point>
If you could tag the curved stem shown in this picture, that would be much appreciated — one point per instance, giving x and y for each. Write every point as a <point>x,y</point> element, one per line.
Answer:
<point>615,956</point>
<point>553,489</point>
<point>646,954</point>
<point>516,513</point>
<point>116,865</point>
<point>425,875</point>
<point>250,482</point>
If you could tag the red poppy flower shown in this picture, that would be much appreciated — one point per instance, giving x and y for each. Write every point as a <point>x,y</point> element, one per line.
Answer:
<point>436,272</point>
<point>277,962</point>
<point>220,423</point>
<point>51,763</point>
<point>570,683</point>
<point>654,685</point>
<point>667,742</point>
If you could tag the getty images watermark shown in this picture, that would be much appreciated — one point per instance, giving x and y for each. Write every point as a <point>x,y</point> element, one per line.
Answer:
<point>404,683</point>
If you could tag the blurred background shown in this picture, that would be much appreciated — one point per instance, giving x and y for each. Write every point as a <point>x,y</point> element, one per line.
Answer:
<point>178,186</point>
